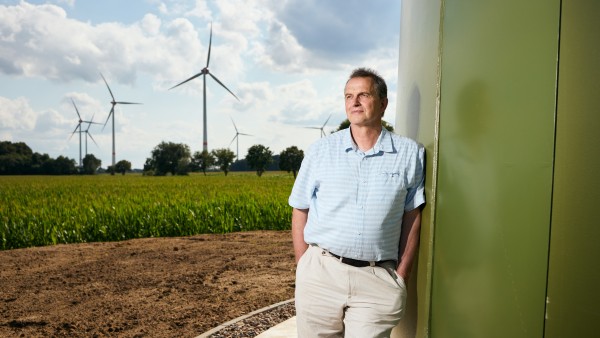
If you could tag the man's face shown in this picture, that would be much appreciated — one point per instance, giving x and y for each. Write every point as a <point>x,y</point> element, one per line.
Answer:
<point>363,106</point>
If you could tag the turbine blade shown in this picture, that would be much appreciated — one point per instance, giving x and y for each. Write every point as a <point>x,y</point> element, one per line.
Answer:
<point>110,91</point>
<point>245,134</point>
<point>236,135</point>
<point>120,102</point>
<point>78,127</point>
<point>221,83</point>
<point>191,78</point>
<point>75,130</point>
<point>312,128</point>
<point>77,110</point>
<point>112,111</point>
<point>209,46</point>
<point>90,135</point>
<point>234,126</point>
<point>91,122</point>
<point>324,124</point>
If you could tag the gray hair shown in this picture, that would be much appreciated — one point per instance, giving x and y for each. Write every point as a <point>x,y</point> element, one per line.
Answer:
<point>378,81</point>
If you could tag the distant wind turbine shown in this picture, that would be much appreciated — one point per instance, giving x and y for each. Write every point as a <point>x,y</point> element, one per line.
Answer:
<point>203,73</point>
<point>78,130</point>
<point>87,133</point>
<point>112,113</point>
<point>237,138</point>
<point>322,128</point>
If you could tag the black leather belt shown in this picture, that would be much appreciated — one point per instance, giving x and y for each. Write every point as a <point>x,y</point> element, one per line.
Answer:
<point>358,263</point>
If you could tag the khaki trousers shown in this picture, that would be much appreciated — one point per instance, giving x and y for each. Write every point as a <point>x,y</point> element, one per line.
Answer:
<point>334,299</point>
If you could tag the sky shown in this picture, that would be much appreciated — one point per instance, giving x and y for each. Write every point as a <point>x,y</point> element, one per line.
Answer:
<point>286,60</point>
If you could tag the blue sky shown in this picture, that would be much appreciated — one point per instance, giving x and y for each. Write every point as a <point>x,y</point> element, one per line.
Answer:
<point>286,60</point>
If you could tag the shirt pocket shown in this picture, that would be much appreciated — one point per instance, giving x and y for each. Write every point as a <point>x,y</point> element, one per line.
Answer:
<point>389,188</point>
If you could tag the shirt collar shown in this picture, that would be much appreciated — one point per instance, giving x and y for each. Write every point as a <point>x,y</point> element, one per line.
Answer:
<point>384,142</point>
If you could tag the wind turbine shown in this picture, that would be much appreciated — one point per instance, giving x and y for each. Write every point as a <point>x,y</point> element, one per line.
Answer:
<point>78,127</point>
<point>322,128</point>
<point>112,113</point>
<point>87,133</point>
<point>236,137</point>
<point>203,73</point>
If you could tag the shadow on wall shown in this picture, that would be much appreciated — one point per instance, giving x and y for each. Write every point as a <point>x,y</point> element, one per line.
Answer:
<point>413,110</point>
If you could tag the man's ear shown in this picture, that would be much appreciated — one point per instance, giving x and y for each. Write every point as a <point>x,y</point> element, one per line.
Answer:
<point>384,104</point>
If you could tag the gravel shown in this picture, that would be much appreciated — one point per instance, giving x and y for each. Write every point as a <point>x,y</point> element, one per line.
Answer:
<point>256,324</point>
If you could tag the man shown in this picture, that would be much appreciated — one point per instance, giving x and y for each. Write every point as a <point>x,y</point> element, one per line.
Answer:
<point>355,221</point>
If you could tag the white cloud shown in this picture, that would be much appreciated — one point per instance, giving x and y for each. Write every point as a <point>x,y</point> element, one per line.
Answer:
<point>16,115</point>
<point>280,51</point>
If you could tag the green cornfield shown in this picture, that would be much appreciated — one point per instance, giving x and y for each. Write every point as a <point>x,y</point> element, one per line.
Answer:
<point>47,210</point>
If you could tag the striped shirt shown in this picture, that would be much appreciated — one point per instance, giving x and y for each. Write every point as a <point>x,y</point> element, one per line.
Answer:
<point>356,199</point>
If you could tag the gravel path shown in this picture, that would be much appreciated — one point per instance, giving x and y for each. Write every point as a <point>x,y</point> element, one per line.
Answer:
<point>255,324</point>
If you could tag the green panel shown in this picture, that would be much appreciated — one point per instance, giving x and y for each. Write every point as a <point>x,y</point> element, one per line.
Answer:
<point>574,275</point>
<point>496,144</point>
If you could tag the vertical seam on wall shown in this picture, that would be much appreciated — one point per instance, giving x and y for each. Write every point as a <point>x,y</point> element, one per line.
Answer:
<point>560,12</point>
<point>435,164</point>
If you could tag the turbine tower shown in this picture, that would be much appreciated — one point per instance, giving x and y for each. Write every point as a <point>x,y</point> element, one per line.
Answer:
<point>321,128</point>
<point>237,138</point>
<point>78,127</point>
<point>112,113</point>
<point>203,73</point>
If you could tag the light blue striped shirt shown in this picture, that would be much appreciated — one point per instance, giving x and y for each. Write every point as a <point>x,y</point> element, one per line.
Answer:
<point>356,200</point>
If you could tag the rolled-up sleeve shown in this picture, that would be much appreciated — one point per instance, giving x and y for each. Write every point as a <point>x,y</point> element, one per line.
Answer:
<point>416,193</point>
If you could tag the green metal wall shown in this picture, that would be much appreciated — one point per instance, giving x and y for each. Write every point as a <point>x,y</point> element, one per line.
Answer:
<point>417,117</point>
<point>574,276</point>
<point>490,80</point>
<point>502,94</point>
<point>494,186</point>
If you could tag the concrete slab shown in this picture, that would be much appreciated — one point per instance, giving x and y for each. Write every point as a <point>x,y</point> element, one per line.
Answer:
<point>286,329</point>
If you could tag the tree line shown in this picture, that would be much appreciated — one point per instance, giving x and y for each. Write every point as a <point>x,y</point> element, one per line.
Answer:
<point>177,159</point>
<point>166,158</point>
<point>18,159</point>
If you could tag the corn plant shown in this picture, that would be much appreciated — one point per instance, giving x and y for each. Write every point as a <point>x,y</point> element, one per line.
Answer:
<point>46,210</point>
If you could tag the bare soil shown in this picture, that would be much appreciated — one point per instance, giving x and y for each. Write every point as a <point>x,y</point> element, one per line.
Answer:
<point>156,287</point>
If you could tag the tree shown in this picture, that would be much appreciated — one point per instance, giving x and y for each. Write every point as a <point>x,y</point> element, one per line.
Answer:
<point>38,163</point>
<point>202,161</point>
<point>169,157</point>
<point>346,124</point>
<point>259,157</point>
<point>149,167</point>
<point>63,166</point>
<point>123,166</point>
<point>290,159</point>
<point>15,158</point>
<point>223,158</point>
<point>91,164</point>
